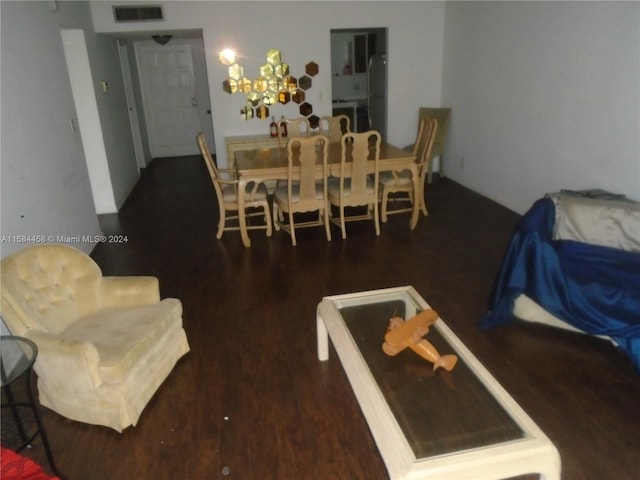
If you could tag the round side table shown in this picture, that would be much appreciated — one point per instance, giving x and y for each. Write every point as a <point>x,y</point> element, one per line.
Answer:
<point>18,356</point>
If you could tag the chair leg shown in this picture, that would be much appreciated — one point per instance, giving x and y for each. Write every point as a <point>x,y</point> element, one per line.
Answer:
<point>327,227</point>
<point>267,219</point>
<point>276,225</point>
<point>274,215</point>
<point>385,199</point>
<point>221,224</point>
<point>423,207</point>
<point>343,227</point>
<point>375,218</point>
<point>292,229</point>
<point>423,202</point>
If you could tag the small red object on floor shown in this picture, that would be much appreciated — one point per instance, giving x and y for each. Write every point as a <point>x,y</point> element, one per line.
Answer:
<point>17,467</point>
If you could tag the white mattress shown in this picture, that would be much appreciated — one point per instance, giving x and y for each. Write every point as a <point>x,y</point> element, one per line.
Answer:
<point>528,310</point>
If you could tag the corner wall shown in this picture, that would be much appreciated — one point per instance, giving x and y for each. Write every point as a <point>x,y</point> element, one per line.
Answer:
<point>45,191</point>
<point>545,96</point>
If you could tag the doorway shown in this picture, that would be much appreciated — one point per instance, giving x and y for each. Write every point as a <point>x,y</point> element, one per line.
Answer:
<point>172,96</point>
<point>134,119</point>
<point>353,75</point>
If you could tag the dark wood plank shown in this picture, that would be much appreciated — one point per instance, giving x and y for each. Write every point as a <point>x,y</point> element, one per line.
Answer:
<point>251,396</point>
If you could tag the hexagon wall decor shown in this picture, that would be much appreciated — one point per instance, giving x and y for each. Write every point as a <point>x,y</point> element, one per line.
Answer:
<point>274,84</point>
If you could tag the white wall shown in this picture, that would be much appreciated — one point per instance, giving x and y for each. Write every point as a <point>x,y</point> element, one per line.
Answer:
<point>45,188</point>
<point>44,182</point>
<point>301,31</point>
<point>545,96</point>
<point>114,116</point>
<point>77,57</point>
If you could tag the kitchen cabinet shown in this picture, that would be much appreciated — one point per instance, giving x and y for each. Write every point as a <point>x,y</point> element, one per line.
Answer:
<point>348,53</point>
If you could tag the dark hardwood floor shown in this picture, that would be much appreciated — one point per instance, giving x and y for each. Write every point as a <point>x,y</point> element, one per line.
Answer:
<point>252,401</point>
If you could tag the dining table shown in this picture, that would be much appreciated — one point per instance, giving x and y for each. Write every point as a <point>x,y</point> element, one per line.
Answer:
<point>265,164</point>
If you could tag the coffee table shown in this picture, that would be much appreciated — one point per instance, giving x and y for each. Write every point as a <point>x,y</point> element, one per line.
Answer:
<point>429,425</point>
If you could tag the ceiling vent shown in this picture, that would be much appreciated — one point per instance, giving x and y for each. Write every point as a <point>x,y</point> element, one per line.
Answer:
<point>133,13</point>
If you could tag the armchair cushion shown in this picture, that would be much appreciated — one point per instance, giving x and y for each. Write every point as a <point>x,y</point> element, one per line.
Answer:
<point>123,336</point>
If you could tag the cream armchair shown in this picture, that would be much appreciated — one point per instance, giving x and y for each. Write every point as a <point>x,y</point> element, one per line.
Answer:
<point>105,344</point>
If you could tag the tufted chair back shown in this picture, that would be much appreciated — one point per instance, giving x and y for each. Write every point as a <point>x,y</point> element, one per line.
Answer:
<point>48,287</point>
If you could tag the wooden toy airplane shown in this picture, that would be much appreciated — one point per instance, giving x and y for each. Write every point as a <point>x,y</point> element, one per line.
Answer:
<point>401,334</point>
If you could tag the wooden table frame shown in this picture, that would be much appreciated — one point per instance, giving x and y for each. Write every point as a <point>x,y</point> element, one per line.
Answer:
<point>533,453</point>
<point>271,164</point>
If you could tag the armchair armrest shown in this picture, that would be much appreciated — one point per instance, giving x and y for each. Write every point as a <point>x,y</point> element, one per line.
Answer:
<point>128,291</point>
<point>251,189</point>
<point>228,173</point>
<point>71,364</point>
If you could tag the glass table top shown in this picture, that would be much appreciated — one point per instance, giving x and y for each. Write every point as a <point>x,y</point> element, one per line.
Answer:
<point>18,355</point>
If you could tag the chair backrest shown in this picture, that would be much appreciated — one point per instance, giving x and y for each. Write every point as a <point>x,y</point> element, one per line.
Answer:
<point>358,149</point>
<point>418,146</point>
<point>423,149</point>
<point>305,154</point>
<point>298,127</point>
<point>47,287</point>
<point>334,127</point>
<point>211,166</point>
<point>443,117</point>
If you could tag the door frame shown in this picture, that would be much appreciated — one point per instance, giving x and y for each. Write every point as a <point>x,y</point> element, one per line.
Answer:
<point>141,161</point>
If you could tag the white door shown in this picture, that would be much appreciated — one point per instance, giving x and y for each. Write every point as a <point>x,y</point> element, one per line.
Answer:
<point>169,97</point>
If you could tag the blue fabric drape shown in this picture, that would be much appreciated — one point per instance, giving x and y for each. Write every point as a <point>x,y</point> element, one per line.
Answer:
<point>594,288</point>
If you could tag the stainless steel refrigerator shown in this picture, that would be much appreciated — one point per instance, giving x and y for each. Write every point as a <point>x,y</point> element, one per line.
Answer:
<point>377,104</point>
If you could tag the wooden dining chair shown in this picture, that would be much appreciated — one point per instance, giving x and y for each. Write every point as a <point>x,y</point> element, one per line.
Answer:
<point>298,127</point>
<point>396,188</point>
<point>225,183</point>
<point>443,117</point>
<point>295,128</point>
<point>306,188</point>
<point>334,127</point>
<point>356,184</point>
